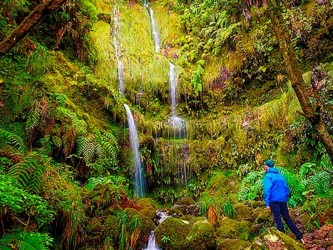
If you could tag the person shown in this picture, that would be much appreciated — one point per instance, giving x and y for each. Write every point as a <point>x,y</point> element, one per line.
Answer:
<point>276,193</point>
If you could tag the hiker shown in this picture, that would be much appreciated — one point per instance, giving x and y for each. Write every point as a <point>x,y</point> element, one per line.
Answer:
<point>276,193</point>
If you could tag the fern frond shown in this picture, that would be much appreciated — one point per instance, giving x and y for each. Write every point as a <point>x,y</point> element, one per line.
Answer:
<point>306,169</point>
<point>28,173</point>
<point>12,139</point>
<point>26,241</point>
<point>111,138</point>
<point>322,182</point>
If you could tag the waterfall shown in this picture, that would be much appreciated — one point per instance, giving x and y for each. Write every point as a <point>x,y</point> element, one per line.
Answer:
<point>120,67</point>
<point>156,36</point>
<point>139,180</point>
<point>151,242</point>
<point>173,84</point>
<point>177,122</point>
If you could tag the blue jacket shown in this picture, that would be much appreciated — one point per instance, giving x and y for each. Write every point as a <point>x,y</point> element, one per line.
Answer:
<point>275,187</point>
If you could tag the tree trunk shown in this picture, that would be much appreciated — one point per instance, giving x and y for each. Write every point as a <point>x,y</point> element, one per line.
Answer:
<point>293,68</point>
<point>28,23</point>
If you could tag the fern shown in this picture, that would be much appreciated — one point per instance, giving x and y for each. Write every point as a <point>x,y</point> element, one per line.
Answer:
<point>26,241</point>
<point>251,186</point>
<point>322,182</point>
<point>10,138</point>
<point>97,146</point>
<point>80,126</point>
<point>28,173</point>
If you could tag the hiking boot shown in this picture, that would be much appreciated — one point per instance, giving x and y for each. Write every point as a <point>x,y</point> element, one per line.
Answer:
<point>301,241</point>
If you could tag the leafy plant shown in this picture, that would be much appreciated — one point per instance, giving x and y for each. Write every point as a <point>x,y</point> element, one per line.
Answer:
<point>26,241</point>
<point>98,146</point>
<point>165,239</point>
<point>228,209</point>
<point>197,78</point>
<point>251,186</point>
<point>29,171</point>
<point>10,138</point>
<point>20,204</point>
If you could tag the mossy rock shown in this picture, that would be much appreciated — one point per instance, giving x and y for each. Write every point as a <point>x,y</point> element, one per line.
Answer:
<point>233,229</point>
<point>242,211</point>
<point>185,201</point>
<point>111,227</point>
<point>201,236</point>
<point>274,239</point>
<point>148,207</point>
<point>231,244</point>
<point>225,184</point>
<point>145,225</point>
<point>172,233</point>
<point>94,225</point>
<point>264,215</point>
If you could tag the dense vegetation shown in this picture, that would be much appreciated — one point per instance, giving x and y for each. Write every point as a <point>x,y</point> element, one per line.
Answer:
<point>65,157</point>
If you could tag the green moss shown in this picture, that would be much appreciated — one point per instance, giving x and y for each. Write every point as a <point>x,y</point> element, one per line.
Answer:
<point>94,225</point>
<point>173,229</point>
<point>201,236</point>
<point>111,227</point>
<point>242,211</point>
<point>233,229</point>
<point>231,244</point>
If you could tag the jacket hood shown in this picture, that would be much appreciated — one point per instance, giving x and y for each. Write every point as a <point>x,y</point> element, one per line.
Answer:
<point>272,170</point>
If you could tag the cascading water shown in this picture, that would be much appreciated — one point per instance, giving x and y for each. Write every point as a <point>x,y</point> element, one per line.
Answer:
<point>151,242</point>
<point>120,67</point>
<point>177,122</point>
<point>156,36</point>
<point>139,179</point>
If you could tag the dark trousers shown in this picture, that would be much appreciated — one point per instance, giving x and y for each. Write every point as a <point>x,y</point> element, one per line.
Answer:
<point>280,209</point>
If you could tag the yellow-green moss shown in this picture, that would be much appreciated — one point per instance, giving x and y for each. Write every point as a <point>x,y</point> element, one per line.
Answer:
<point>233,229</point>
<point>201,236</point>
<point>171,234</point>
<point>231,244</point>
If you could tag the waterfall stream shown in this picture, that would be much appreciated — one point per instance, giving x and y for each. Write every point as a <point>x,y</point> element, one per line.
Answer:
<point>151,242</point>
<point>177,122</point>
<point>156,35</point>
<point>139,179</point>
<point>120,67</point>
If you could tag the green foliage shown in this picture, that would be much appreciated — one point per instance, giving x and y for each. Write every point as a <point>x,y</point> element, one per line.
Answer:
<point>18,202</point>
<point>197,78</point>
<point>210,26</point>
<point>26,241</point>
<point>98,146</point>
<point>79,125</point>
<point>118,181</point>
<point>29,171</point>
<point>228,209</point>
<point>40,60</point>
<point>251,186</point>
<point>309,179</point>
<point>7,137</point>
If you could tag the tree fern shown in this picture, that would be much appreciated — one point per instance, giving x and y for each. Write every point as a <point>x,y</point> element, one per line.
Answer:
<point>10,138</point>
<point>26,241</point>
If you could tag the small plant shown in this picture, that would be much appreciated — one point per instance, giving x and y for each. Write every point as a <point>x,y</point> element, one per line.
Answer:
<point>165,239</point>
<point>228,209</point>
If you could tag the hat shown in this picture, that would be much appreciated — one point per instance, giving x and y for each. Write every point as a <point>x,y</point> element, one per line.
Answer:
<point>269,163</point>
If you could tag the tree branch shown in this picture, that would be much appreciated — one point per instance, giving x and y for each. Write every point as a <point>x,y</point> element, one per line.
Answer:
<point>28,23</point>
